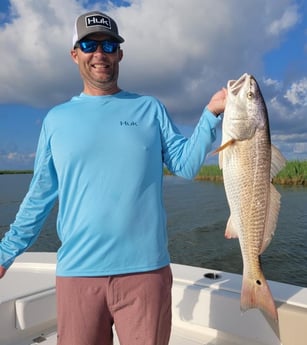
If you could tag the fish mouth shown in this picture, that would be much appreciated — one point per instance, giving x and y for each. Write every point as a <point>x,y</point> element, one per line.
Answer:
<point>235,85</point>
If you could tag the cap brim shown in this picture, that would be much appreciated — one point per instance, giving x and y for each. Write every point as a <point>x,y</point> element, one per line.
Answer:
<point>118,38</point>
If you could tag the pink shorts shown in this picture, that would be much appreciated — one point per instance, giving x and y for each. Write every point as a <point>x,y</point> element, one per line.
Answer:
<point>139,306</point>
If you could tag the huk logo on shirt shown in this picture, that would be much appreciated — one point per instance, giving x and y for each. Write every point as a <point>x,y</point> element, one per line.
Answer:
<point>98,19</point>
<point>128,123</point>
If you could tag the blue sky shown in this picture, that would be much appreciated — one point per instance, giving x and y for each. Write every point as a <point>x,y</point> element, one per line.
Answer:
<point>179,51</point>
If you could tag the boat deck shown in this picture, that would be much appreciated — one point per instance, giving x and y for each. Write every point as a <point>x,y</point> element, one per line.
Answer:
<point>178,337</point>
<point>206,308</point>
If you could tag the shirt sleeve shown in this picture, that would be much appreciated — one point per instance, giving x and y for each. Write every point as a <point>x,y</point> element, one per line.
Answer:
<point>184,156</point>
<point>34,208</point>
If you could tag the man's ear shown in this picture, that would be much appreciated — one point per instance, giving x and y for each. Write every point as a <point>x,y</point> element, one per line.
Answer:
<point>74,56</point>
<point>120,55</point>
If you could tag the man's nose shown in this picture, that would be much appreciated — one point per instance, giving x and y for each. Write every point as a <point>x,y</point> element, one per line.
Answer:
<point>99,49</point>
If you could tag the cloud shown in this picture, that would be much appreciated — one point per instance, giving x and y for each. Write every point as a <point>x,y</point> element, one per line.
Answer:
<point>187,51</point>
<point>297,93</point>
<point>300,148</point>
<point>287,112</point>
<point>288,19</point>
<point>21,157</point>
<point>9,160</point>
<point>176,50</point>
<point>36,69</point>
<point>276,84</point>
<point>179,51</point>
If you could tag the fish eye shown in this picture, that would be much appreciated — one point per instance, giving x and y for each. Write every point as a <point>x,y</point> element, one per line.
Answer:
<point>250,95</point>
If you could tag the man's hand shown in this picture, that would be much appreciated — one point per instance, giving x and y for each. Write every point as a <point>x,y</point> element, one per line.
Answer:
<point>2,271</point>
<point>217,102</point>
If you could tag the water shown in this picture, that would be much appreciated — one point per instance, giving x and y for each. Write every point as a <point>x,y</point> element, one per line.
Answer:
<point>197,216</point>
<point>12,191</point>
<point>198,212</point>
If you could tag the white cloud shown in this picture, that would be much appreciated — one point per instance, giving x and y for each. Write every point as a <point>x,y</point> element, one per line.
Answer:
<point>287,20</point>
<point>276,84</point>
<point>9,160</point>
<point>278,107</point>
<point>300,148</point>
<point>20,156</point>
<point>180,51</point>
<point>35,67</point>
<point>297,93</point>
<point>293,146</point>
<point>174,49</point>
<point>291,137</point>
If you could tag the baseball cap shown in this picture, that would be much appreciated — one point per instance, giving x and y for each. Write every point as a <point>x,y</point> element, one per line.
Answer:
<point>93,22</point>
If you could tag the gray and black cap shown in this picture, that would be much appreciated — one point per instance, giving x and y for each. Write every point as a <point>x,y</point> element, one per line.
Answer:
<point>95,22</point>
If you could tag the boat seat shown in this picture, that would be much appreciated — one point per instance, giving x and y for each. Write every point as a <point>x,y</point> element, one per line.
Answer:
<point>35,309</point>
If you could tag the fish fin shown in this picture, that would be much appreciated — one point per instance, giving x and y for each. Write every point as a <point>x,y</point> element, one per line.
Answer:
<point>272,217</point>
<point>224,146</point>
<point>230,231</point>
<point>278,161</point>
<point>221,160</point>
<point>256,294</point>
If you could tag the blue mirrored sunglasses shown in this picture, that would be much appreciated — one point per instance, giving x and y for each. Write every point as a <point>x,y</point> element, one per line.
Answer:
<point>90,46</point>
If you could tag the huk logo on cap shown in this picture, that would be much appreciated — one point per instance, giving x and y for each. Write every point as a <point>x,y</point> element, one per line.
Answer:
<point>98,19</point>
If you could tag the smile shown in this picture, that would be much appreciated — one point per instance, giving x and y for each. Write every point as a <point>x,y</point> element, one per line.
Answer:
<point>100,66</point>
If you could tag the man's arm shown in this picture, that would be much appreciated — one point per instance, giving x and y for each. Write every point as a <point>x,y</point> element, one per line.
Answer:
<point>34,208</point>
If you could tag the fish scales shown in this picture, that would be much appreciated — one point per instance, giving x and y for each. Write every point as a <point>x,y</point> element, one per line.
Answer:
<point>249,161</point>
<point>247,196</point>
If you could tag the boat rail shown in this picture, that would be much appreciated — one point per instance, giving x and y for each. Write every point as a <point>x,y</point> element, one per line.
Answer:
<point>206,307</point>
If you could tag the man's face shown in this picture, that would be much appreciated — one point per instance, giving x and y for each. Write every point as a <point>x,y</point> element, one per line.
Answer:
<point>99,70</point>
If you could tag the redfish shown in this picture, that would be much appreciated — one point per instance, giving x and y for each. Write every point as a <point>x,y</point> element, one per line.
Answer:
<point>249,162</point>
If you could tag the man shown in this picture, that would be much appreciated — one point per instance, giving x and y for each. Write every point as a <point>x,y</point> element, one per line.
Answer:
<point>101,155</point>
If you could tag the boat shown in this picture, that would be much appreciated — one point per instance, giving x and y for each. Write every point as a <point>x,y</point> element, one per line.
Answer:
<point>205,305</point>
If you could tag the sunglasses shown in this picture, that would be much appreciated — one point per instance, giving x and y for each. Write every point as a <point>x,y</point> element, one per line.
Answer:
<point>90,46</point>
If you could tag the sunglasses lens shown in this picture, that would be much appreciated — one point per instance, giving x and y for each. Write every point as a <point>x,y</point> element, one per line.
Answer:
<point>90,46</point>
<point>109,46</point>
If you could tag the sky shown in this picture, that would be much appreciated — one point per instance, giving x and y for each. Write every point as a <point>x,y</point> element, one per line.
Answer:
<point>179,51</point>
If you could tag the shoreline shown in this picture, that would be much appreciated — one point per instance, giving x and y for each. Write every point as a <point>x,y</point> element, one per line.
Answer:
<point>276,180</point>
<point>13,172</point>
<point>293,174</point>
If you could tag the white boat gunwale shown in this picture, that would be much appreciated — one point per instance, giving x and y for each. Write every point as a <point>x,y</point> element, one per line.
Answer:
<point>205,311</point>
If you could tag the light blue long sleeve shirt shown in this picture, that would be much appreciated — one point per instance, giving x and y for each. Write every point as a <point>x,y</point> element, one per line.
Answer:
<point>102,158</point>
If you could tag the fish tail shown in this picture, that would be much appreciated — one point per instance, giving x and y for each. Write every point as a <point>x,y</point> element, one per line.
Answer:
<point>257,294</point>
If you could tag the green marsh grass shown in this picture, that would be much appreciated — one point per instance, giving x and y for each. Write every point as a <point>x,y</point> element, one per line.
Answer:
<point>294,173</point>
<point>6,172</point>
